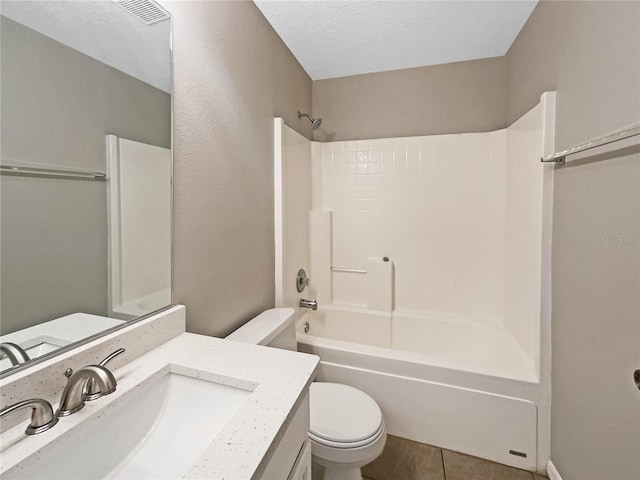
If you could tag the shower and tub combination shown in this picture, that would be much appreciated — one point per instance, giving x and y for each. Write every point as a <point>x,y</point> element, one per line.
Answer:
<point>430,261</point>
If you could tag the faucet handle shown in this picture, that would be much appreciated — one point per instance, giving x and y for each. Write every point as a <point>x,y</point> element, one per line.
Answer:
<point>111,356</point>
<point>92,392</point>
<point>42,417</point>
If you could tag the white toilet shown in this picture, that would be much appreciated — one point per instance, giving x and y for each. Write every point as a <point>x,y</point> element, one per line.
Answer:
<point>347,429</point>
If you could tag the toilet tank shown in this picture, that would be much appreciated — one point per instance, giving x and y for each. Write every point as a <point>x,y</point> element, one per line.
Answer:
<point>273,328</point>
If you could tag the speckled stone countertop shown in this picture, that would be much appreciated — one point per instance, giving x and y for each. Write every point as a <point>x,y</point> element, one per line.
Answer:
<point>279,380</point>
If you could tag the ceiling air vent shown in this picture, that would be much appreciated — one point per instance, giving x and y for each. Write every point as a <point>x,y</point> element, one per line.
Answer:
<point>147,11</point>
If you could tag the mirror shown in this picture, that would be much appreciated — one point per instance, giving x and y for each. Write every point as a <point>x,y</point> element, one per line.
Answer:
<point>85,171</point>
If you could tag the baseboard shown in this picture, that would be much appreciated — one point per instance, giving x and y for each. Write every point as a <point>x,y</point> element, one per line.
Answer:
<point>552,472</point>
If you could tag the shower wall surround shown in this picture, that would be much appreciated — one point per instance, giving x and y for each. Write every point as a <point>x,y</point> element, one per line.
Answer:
<point>464,221</point>
<point>292,203</point>
<point>459,216</point>
<point>435,206</point>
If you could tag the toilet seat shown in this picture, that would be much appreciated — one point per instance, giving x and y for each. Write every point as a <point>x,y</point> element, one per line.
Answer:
<point>334,444</point>
<point>343,416</point>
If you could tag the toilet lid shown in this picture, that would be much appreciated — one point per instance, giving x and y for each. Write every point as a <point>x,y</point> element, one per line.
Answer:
<point>341,413</point>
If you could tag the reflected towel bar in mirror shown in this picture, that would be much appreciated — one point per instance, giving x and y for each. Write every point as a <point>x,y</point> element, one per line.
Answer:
<point>50,172</point>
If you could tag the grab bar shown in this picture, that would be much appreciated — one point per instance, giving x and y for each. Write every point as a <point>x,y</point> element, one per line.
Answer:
<point>348,270</point>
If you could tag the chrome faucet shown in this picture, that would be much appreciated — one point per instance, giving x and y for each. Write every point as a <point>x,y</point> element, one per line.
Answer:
<point>312,304</point>
<point>14,352</point>
<point>42,417</point>
<point>72,399</point>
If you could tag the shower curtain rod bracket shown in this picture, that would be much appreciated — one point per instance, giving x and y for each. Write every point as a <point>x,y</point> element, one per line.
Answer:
<point>557,160</point>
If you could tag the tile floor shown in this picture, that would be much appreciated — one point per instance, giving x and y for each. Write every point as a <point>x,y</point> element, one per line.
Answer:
<point>407,460</point>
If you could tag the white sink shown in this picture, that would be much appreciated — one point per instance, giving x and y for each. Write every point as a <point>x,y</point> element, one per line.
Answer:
<point>42,348</point>
<point>155,432</point>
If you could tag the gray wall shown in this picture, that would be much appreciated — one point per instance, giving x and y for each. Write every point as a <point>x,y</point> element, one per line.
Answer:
<point>232,75</point>
<point>57,107</point>
<point>451,98</point>
<point>590,53</point>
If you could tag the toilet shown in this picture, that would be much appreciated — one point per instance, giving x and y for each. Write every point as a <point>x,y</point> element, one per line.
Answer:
<point>347,429</point>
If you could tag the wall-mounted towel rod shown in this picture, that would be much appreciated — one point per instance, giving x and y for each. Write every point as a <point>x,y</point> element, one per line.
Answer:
<point>630,131</point>
<point>348,270</point>
<point>50,172</point>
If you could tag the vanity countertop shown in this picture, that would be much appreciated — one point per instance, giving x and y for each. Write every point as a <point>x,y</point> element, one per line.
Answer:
<point>278,378</point>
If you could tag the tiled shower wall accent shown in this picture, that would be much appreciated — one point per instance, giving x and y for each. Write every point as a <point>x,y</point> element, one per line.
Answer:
<point>435,205</point>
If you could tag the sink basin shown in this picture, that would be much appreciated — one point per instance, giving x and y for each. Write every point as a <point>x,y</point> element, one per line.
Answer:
<point>42,348</point>
<point>156,431</point>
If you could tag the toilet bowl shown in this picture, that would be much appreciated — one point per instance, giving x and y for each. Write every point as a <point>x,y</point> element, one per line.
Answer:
<point>347,428</point>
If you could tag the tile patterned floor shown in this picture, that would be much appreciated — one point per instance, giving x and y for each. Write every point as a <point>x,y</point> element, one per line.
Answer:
<point>407,460</point>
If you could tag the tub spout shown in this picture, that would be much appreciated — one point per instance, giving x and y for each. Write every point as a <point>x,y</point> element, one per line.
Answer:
<point>312,304</point>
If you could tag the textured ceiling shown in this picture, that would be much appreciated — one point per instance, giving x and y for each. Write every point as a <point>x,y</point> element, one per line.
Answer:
<point>101,30</point>
<point>350,37</point>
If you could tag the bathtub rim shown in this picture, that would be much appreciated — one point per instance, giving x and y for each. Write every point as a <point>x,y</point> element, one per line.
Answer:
<point>422,366</point>
<point>444,317</point>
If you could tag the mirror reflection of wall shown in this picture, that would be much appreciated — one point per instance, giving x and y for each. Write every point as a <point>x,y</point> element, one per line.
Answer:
<point>139,227</point>
<point>72,73</point>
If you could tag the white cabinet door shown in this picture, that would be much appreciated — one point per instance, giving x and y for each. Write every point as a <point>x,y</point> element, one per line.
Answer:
<point>291,445</point>
<point>302,468</point>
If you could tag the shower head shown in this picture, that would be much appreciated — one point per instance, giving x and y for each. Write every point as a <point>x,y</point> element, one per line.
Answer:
<point>315,122</point>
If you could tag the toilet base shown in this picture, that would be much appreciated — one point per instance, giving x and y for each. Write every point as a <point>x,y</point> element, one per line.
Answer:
<point>342,474</point>
<point>337,473</point>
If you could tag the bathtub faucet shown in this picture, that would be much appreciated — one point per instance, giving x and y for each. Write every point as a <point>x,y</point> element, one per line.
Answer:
<point>312,304</point>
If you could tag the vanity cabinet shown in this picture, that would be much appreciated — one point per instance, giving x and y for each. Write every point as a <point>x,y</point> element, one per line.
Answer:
<point>302,468</point>
<point>266,437</point>
<point>292,458</point>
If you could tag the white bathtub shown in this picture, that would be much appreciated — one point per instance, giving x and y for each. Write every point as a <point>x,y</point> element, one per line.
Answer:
<point>461,386</point>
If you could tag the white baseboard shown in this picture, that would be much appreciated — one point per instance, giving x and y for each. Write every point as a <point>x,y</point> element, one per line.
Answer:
<point>552,472</point>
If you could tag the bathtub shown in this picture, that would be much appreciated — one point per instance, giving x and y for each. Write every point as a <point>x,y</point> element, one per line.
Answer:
<point>462,386</point>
